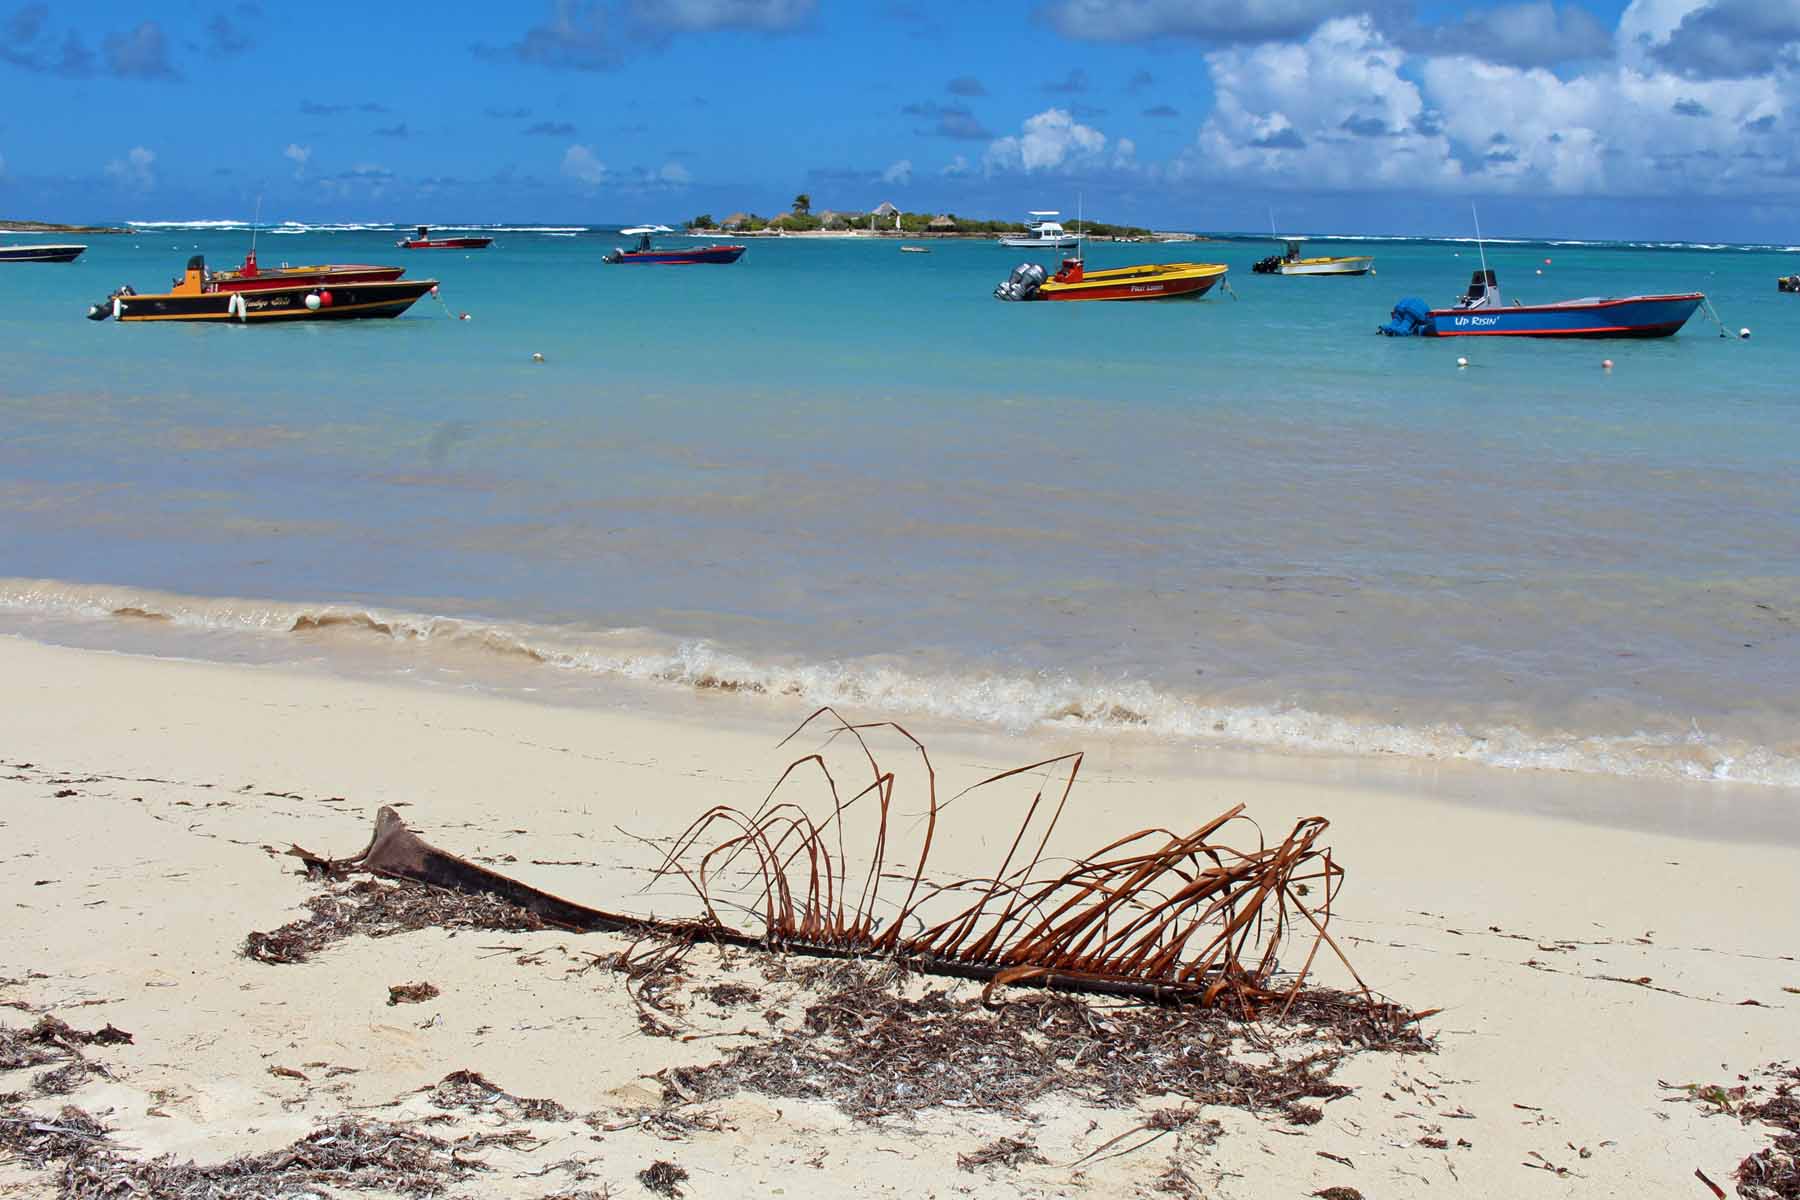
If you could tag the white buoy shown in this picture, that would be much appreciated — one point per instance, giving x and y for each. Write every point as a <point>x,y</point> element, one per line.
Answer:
<point>313,301</point>
<point>1462,362</point>
<point>465,317</point>
<point>1540,270</point>
<point>1744,333</point>
<point>1606,364</point>
<point>536,357</point>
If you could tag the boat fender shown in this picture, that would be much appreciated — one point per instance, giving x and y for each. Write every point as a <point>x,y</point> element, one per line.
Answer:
<point>313,303</point>
<point>235,306</point>
<point>117,307</point>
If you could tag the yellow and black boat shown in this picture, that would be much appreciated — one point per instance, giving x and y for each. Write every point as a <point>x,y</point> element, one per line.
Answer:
<point>193,298</point>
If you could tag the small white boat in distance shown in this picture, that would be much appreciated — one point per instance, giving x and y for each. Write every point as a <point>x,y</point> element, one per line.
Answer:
<point>914,250</point>
<point>1290,263</point>
<point>1045,234</point>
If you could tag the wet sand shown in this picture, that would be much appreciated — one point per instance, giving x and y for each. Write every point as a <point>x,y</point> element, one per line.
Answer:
<point>144,803</point>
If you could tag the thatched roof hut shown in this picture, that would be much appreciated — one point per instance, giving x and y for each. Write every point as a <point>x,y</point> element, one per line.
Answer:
<point>886,209</point>
<point>942,224</point>
<point>736,221</point>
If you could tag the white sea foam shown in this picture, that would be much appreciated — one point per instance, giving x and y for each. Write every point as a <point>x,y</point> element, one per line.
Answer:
<point>1011,701</point>
<point>215,224</point>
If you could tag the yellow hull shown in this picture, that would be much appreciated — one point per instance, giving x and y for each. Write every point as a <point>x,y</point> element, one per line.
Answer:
<point>1155,281</point>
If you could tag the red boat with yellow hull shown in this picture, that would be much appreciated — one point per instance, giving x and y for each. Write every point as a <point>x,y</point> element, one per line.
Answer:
<point>1151,281</point>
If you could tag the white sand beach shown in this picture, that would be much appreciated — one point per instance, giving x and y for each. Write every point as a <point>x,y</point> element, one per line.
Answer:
<point>1579,966</point>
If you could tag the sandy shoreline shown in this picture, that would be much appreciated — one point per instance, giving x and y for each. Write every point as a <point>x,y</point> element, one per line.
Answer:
<point>1577,965</point>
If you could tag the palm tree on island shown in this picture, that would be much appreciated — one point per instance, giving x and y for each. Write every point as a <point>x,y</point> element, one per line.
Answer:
<point>803,204</point>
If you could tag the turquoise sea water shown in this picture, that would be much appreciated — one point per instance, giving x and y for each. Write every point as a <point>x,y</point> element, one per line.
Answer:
<point>843,472</point>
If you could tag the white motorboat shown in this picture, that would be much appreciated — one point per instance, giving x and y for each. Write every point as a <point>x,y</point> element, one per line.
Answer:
<point>1044,234</point>
<point>1290,262</point>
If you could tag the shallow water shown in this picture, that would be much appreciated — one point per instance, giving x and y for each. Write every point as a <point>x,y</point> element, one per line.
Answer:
<point>847,473</point>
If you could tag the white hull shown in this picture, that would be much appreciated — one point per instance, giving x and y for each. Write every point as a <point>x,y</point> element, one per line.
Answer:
<point>1027,242</point>
<point>1337,266</point>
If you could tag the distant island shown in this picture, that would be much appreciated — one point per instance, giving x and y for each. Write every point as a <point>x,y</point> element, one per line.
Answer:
<point>888,220</point>
<point>52,227</point>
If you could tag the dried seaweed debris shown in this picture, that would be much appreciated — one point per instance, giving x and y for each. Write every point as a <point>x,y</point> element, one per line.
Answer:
<point>875,1049</point>
<point>1007,1152</point>
<point>375,909</point>
<point>663,1177</point>
<point>352,1154</point>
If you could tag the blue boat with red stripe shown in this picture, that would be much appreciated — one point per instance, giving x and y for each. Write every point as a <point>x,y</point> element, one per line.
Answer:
<point>1482,313</point>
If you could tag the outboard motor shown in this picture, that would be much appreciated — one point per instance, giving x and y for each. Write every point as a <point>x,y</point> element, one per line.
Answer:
<point>109,307</point>
<point>615,255</point>
<point>1022,284</point>
<point>1411,318</point>
<point>1268,266</point>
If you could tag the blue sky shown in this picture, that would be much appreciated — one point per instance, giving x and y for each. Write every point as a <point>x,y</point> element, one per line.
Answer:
<point>1592,118</point>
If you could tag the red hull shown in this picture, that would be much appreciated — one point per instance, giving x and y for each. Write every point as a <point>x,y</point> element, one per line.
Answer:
<point>458,243</point>
<point>278,277</point>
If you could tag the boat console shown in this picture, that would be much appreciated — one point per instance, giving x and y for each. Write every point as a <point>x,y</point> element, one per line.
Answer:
<point>1484,292</point>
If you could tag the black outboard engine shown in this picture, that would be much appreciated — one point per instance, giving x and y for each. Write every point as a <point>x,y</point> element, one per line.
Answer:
<point>109,307</point>
<point>1268,266</point>
<point>1022,284</point>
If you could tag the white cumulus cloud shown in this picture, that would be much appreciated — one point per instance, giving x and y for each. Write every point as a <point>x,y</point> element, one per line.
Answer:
<point>1349,108</point>
<point>298,155</point>
<point>898,172</point>
<point>674,173</point>
<point>1331,111</point>
<point>722,14</point>
<point>136,170</point>
<point>1047,141</point>
<point>580,164</point>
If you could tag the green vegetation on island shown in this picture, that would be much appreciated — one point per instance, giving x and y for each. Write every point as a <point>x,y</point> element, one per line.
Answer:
<point>52,227</point>
<point>889,220</point>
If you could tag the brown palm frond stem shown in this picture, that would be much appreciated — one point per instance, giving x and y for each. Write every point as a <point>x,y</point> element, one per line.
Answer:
<point>1154,915</point>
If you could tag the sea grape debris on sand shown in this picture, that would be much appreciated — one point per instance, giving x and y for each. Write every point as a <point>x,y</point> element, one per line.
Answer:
<point>1769,1097</point>
<point>663,1177</point>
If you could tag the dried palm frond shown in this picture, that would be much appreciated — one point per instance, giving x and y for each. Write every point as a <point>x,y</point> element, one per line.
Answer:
<point>1154,914</point>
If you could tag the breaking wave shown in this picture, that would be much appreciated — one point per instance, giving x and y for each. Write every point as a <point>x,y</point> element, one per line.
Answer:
<point>1013,701</point>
